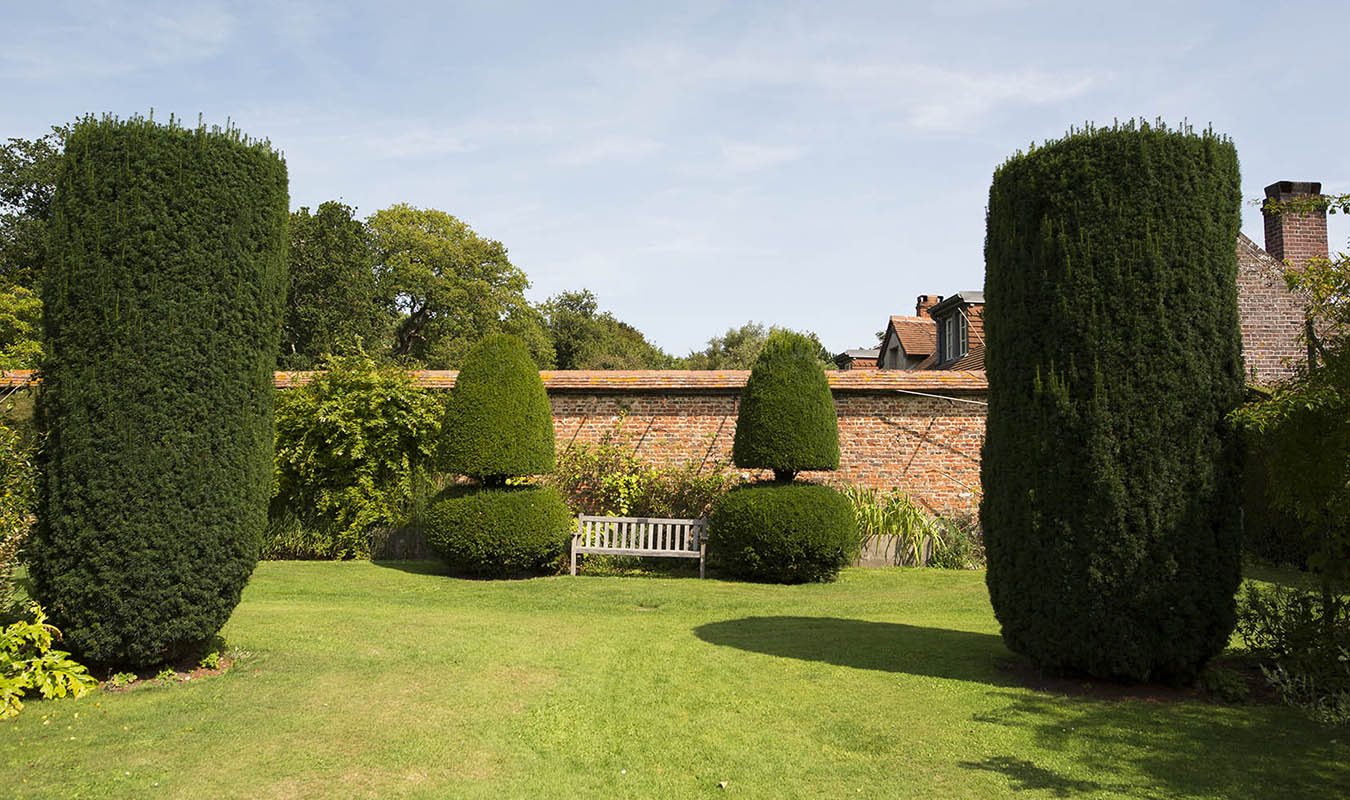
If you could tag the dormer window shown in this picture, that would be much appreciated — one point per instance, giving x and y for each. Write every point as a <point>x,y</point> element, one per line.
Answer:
<point>953,333</point>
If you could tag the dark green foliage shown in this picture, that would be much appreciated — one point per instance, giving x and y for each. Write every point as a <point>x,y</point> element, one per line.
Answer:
<point>17,480</point>
<point>794,533</point>
<point>1302,639</point>
<point>498,422</point>
<point>162,296</point>
<point>787,421</point>
<point>28,171</point>
<point>1110,508</point>
<point>739,347</point>
<point>586,338</point>
<point>1268,532</point>
<point>499,533</point>
<point>351,445</point>
<point>334,303</point>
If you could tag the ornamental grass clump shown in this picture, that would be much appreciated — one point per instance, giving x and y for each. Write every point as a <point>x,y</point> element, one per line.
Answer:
<point>498,427</point>
<point>782,531</point>
<point>162,304</point>
<point>1110,471</point>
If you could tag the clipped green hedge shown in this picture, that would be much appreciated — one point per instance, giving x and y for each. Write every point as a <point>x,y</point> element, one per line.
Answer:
<point>783,533</point>
<point>1110,471</point>
<point>787,421</point>
<point>162,304</point>
<point>500,533</point>
<point>498,422</point>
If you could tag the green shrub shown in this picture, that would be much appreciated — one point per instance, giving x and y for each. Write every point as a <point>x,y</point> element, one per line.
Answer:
<point>498,422</point>
<point>162,302</point>
<point>1268,532</point>
<point>610,480</point>
<point>794,533</point>
<point>786,420</point>
<point>20,320</point>
<point>500,532</point>
<point>17,478</point>
<point>920,539</point>
<point>349,449</point>
<point>121,680</point>
<point>960,543</point>
<point>27,661</point>
<point>893,514</point>
<point>1302,639</point>
<point>1110,509</point>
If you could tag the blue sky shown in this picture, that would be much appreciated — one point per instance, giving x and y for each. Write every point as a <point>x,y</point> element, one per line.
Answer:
<point>699,165</point>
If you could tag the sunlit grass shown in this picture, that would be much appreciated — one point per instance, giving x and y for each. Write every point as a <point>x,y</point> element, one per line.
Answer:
<point>393,681</point>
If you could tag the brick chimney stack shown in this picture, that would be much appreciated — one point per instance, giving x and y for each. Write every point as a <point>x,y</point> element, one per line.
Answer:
<point>1295,236</point>
<point>927,301</point>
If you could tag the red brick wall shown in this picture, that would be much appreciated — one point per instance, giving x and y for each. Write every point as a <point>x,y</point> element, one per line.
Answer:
<point>928,447</point>
<point>920,431</point>
<point>1271,317</point>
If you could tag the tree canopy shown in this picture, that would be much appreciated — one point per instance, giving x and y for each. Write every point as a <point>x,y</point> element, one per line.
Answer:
<point>451,286</point>
<point>739,347</point>
<point>334,300</point>
<point>586,338</point>
<point>28,170</point>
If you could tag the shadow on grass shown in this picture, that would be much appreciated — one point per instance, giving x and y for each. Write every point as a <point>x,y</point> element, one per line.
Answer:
<point>1024,775</point>
<point>416,567</point>
<point>1172,750</point>
<point>886,646</point>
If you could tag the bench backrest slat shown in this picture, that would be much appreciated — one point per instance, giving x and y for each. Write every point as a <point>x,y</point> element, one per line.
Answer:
<point>650,534</point>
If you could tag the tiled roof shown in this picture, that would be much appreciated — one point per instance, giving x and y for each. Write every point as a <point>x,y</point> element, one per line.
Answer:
<point>918,335</point>
<point>974,359</point>
<point>665,380</point>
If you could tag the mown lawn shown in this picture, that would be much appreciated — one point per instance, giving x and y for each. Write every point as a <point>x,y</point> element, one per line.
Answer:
<point>388,681</point>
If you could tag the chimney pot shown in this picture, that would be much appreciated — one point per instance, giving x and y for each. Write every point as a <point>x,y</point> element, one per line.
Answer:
<point>925,302</point>
<point>1293,236</point>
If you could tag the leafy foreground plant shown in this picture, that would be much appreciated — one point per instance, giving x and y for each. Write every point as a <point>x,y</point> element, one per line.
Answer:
<point>28,662</point>
<point>1303,645</point>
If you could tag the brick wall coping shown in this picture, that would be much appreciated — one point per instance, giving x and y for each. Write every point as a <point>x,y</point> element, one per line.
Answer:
<point>668,380</point>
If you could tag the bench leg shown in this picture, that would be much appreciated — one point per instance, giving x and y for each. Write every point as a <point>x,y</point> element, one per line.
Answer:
<point>702,555</point>
<point>574,557</point>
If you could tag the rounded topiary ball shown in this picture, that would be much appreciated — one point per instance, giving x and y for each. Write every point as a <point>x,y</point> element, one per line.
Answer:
<point>787,421</point>
<point>792,533</point>
<point>498,422</point>
<point>498,533</point>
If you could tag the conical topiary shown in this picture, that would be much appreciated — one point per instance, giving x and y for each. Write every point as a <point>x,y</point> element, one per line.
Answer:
<point>788,532</point>
<point>787,421</point>
<point>498,423</point>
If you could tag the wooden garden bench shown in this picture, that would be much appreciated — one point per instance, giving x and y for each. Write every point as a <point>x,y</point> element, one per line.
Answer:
<point>641,536</point>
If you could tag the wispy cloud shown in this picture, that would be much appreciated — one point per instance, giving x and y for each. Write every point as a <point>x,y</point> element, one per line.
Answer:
<point>607,149</point>
<point>749,156</point>
<point>115,40</point>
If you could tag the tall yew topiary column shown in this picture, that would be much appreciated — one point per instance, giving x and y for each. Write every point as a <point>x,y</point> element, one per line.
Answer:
<point>1113,353</point>
<point>498,425</point>
<point>162,310</point>
<point>782,531</point>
